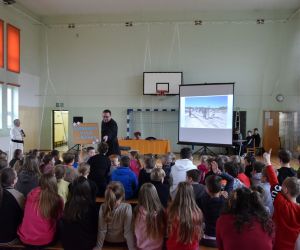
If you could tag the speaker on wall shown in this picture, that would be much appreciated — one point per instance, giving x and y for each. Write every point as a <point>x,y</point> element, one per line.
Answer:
<point>77,119</point>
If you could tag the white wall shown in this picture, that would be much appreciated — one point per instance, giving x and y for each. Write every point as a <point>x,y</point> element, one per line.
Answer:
<point>93,68</point>
<point>29,77</point>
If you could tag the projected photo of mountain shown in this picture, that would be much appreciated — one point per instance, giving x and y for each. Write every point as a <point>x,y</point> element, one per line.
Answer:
<point>206,112</point>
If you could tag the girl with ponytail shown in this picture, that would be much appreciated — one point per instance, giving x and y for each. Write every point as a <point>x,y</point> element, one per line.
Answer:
<point>245,223</point>
<point>115,216</point>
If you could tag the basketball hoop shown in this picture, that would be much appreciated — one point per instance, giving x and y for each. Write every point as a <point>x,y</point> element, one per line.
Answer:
<point>161,92</point>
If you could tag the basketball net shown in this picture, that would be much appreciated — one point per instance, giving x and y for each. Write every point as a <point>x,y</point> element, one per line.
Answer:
<point>161,92</point>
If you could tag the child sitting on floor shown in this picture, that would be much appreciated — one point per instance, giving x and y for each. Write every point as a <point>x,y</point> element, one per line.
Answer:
<point>115,217</point>
<point>149,219</point>
<point>135,164</point>
<point>62,185</point>
<point>144,175</point>
<point>184,220</point>
<point>203,167</point>
<point>286,210</point>
<point>211,204</point>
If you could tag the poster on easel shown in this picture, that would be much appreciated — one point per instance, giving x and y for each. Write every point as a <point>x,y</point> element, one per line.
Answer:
<point>85,133</point>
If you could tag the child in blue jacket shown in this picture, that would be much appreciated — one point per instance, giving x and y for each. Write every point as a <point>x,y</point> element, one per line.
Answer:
<point>127,177</point>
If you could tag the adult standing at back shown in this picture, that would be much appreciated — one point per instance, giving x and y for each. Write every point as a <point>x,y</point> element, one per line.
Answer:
<point>16,138</point>
<point>178,171</point>
<point>109,133</point>
<point>256,137</point>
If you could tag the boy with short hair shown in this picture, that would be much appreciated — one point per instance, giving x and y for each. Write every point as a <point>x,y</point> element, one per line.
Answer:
<point>71,173</point>
<point>286,170</point>
<point>192,177</point>
<point>211,204</point>
<point>114,163</point>
<point>127,177</point>
<point>90,151</point>
<point>178,171</point>
<point>286,210</point>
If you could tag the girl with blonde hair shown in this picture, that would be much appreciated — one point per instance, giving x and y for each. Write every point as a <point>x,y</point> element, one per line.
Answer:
<point>115,216</point>
<point>149,219</point>
<point>184,220</point>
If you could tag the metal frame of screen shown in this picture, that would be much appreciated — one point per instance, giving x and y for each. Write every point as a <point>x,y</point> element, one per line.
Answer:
<point>203,143</point>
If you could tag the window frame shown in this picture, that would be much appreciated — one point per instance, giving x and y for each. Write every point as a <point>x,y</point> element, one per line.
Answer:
<point>8,28</point>
<point>14,106</point>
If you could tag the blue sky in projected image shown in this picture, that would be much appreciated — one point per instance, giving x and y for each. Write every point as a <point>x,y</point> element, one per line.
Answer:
<point>206,101</point>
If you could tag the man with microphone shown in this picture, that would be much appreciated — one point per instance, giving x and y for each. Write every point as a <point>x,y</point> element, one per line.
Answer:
<point>109,133</point>
<point>17,136</point>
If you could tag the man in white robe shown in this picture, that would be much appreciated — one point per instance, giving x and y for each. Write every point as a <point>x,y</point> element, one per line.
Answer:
<point>16,138</point>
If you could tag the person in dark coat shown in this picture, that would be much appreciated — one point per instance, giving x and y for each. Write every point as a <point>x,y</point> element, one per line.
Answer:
<point>256,137</point>
<point>144,175</point>
<point>109,133</point>
<point>78,226</point>
<point>99,168</point>
<point>157,178</point>
<point>193,177</point>
<point>11,207</point>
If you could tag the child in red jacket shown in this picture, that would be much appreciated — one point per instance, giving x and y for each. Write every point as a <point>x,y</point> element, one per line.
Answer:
<point>286,210</point>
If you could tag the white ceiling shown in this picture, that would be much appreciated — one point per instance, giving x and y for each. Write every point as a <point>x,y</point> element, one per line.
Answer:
<point>124,7</point>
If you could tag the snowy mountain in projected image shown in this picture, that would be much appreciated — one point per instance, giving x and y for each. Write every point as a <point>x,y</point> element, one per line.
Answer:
<point>206,112</point>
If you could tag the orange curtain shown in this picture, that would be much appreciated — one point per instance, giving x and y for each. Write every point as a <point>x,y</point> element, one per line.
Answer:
<point>13,48</point>
<point>1,44</point>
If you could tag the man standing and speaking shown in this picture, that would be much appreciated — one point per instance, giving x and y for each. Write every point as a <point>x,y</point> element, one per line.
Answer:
<point>109,133</point>
<point>16,138</point>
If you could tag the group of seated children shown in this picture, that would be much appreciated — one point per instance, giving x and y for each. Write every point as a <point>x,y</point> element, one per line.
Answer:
<point>225,202</point>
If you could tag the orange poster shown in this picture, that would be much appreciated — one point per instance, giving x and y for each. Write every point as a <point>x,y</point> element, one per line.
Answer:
<point>86,133</point>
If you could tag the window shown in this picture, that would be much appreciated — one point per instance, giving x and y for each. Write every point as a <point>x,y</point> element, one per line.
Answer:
<point>12,103</point>
<point>13,48</point>
<point>1,44</point>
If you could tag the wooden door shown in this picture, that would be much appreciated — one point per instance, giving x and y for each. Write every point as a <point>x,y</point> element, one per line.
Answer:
<point>271,131</point>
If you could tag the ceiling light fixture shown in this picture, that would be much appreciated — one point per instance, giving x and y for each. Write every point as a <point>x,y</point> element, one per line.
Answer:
<point>71,25</point>
<point>128,24</point>
<point>198,22</point>
<point>260,21</point>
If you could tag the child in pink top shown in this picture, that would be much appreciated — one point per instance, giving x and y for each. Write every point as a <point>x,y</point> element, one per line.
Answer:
<point>135,164</point>
<point>43,208</point>
<point>149,219</point>
<point>203,168</point>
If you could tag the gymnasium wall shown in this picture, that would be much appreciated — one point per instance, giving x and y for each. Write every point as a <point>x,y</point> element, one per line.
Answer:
<point>95,67</point>
<point>29,77</point>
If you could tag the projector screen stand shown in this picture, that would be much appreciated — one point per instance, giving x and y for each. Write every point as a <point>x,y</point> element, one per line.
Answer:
<point>204,150</point>
<point>76,147</point>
